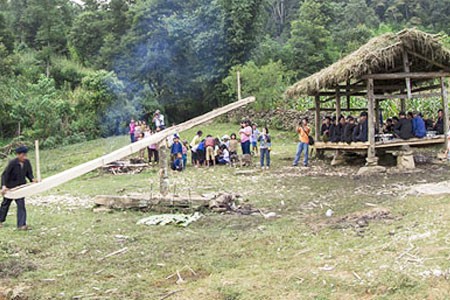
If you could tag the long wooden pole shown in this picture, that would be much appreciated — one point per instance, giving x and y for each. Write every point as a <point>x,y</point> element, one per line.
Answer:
<point>338,105</point>
<point>65,176</point>
<point>38,161</point>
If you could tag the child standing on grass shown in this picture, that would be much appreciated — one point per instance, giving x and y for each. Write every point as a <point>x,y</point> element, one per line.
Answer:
<point>176,148</point>
<point>254,139</point>
<point>184,152</point>
<point>233,144</point>
<point>264,146</point>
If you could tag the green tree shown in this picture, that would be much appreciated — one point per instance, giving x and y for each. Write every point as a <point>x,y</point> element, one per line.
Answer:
<point>310,41</point>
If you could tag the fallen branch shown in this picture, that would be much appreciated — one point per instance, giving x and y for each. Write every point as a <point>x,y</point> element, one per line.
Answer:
<point>121,251</point>
<point>170,294</point>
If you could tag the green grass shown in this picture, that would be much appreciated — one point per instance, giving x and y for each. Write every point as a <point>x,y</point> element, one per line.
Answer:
<point>300,255</point>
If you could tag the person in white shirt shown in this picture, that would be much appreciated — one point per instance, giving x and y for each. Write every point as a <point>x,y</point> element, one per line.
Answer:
<point>158,120</point>
<point>225,157</point>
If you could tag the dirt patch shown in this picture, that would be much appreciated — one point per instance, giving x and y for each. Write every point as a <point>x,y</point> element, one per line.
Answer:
<point>362,219</point>
<point>13,268</point>
<point>15,293</point>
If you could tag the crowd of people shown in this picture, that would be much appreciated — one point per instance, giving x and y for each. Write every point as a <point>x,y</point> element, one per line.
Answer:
<point>205,150</point>
<point>405,126</point>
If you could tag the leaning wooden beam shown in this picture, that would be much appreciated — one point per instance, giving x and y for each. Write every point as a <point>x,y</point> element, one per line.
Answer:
<point>437,64</point>
<point>65,176</point>
<point>412,75</point>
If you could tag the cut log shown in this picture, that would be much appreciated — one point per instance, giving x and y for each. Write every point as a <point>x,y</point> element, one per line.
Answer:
<point>63,177</point>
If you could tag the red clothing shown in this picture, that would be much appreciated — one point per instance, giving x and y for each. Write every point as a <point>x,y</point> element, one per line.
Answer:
<point>209,142</point>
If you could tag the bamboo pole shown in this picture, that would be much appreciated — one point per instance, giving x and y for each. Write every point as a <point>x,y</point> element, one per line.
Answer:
<point>38,161</point>
<point>65,176</point>
<point>338,105</point>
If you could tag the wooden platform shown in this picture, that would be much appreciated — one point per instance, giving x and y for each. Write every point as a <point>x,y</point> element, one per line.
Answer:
<point>359,146</point>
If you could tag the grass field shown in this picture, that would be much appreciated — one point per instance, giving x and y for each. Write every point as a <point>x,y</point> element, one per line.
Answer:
<point>301,254</point>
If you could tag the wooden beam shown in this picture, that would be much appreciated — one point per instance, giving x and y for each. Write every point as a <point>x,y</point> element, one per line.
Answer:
<point>347,93</point>
<point>407,70</point>
<point>371,157</point>
<point>428,60</point>
<point>317,118</point>
<point>405,96</point>
<point>350,94</point>
<point>412,75</point>
<point>65,176</point>
<point>444,95</point>
<point>338,104</point>
<point>342,109</point>
<point>377,113</point>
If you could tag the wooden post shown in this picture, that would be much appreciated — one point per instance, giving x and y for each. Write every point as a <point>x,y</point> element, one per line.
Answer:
<point>347,91</point>
<point>317,117</point>
<point>338,104</point>
<point>371,157</point>
<point>38,161</point>
<point>239,85</point>
<point>163,172</point>
<point>407,70</point>
<point>445,106</point>
<point>377,113</point>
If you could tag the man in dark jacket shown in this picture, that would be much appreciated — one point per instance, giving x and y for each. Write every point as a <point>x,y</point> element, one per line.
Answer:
<point>338,132</point>
<point>348,130</point>
<point>403,129</point>
<point>16,174</point>
<point>361,133</point>
<point>439,125</point>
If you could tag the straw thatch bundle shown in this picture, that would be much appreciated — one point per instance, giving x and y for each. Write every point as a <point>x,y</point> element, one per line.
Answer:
<point>382,54</point>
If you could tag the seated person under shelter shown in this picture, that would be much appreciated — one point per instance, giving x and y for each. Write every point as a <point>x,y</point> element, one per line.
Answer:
<point>361,133</point>
<point>418,125</point>
<point>348,130</point>
<point>403,129</point>
<point>325,130</point>
<point>338,131</point>
<point>439,125</point>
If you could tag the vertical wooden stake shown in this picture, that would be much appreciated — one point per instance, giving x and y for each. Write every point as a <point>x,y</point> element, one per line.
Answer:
<point>38,161</point>
<point>163,172</point>
<point>445,106</point>
<point>347,91</point>
<point>317,117</point>
<point>239,85</point>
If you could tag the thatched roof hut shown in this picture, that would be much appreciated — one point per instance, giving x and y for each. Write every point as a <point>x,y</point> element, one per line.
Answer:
<point>383,54</point>
<point>400,65</point>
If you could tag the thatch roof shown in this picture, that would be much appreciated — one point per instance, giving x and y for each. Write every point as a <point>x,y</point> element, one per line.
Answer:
<point>382,54</point>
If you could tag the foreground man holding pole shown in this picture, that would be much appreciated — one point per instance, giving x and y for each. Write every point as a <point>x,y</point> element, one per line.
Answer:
<point>15,174</point>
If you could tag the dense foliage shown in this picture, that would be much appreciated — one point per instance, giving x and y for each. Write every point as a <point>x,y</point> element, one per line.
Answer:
<point>71,72</point>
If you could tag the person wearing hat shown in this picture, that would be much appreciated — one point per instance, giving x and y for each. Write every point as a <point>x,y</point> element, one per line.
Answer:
<point>16,174</point>
<point>158,120</point>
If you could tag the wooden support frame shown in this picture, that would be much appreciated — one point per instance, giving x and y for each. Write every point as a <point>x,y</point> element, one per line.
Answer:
<point>444,94</point>
<point>338,105</point>
<point>406,67</point>
<point>439,65</point>
<point>65,176</point>
<point>371,155</point>
<point>412,75</point>
<point>317,122</point>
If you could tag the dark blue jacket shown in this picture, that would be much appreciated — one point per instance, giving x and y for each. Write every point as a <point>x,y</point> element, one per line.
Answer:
<point>16,175</point>
<point>177,165</point>
<point>419,128</point>
<point>176,148</point>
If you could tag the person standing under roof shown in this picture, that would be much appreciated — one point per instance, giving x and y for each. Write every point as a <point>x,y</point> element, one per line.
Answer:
<point>16,174</point>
